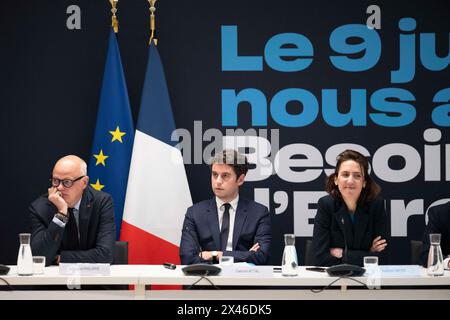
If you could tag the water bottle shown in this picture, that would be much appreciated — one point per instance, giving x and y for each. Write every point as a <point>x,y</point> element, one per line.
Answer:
<point>289,266</point>
<point>25,257</point>
<point>435,259</point>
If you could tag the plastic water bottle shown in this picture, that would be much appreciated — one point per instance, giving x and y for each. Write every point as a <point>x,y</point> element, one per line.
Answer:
<point>435,259</point>
<point>25,257</point>
<point>289,266</point>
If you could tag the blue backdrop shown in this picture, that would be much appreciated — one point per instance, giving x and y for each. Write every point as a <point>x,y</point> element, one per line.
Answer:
<point>309,77</point>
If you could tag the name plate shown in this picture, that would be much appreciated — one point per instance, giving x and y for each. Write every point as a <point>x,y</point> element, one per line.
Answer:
<point>246,270</point>
<point>400,270</point>
<point>85,269</point>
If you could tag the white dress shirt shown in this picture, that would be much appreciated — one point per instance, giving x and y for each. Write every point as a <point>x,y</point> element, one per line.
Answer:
<point>220,210</point>
<point>76,214</point>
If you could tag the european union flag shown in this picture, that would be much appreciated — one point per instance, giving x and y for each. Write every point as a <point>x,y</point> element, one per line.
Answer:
<point>114,134</point>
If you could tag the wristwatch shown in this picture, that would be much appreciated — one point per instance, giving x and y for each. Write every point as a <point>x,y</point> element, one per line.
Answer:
<point>62,217</point>
<point>214,256</point>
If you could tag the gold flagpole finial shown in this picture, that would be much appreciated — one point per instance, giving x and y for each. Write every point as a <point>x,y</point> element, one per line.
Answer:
<point>152,21</point>
<point>114,21</point>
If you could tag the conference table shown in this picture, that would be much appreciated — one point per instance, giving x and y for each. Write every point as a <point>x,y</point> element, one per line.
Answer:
<point>260,283</point>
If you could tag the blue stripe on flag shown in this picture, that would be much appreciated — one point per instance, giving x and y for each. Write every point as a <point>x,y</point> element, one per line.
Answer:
<point>155,115</point>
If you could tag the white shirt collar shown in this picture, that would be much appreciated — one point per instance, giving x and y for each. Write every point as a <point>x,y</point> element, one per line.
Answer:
<point>77,205</point>
<point>233,203</point>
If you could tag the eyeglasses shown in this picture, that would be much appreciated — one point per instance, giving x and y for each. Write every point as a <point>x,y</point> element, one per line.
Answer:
<point>65,182</point>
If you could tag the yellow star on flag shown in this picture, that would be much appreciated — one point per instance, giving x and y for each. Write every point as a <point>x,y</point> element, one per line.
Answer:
<point>100,158</point>
<point>97,186</point>
<point>117,135</point>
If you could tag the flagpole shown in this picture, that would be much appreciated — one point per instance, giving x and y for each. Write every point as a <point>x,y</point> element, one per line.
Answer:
<point>114,21</point>
<point>152,22</point>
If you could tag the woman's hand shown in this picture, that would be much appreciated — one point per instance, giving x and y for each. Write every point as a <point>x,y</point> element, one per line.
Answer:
<point>336,252</point>
<point>378,244</point>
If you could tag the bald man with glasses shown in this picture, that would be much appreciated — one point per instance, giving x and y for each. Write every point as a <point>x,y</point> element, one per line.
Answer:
<point>72,223</point>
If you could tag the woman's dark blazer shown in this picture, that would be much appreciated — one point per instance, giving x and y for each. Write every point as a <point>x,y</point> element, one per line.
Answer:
<point>333,228</point>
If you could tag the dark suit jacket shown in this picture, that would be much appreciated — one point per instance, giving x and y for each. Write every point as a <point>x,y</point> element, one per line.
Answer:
<point>438,222</point>
<point>96,228</point>
<point>201,232</point>
<point>333,220</point>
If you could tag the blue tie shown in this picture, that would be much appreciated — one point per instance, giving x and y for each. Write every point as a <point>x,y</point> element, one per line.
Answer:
<point>225,227</point>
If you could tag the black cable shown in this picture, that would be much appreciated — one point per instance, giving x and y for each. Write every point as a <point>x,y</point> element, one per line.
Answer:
<point>326,287</point>
<point>205,276</point>
<point>7,283</point>
<point>360,282</point>
<point>346,276</point>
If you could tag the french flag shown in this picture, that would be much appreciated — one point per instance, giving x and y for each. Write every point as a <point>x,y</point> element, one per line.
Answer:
<point>158,192</point>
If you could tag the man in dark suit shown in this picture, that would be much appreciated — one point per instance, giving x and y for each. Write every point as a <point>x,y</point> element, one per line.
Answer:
<point>226,225</point>
<point>438,222</point>
<point>73,222</point>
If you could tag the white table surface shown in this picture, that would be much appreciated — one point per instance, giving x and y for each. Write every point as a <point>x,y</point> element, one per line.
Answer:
<point>392,287</point>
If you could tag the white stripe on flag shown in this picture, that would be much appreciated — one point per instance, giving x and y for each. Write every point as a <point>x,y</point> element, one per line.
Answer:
<point>158,191</point>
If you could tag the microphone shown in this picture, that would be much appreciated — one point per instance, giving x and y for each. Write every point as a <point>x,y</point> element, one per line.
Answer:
<point>202,269</point>
<point>194,237</point>
<point>344,269</point>
<point>344,255</point>
<point>4,269</point>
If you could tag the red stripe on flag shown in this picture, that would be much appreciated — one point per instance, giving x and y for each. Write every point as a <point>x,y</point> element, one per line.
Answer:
<point>145,248</point>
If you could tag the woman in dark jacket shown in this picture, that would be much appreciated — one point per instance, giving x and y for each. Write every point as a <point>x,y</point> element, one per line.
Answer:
<point>351,221</point>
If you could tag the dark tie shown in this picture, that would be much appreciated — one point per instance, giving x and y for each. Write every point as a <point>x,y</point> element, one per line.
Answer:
<point>72,232</point>
<point>225,227</point>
